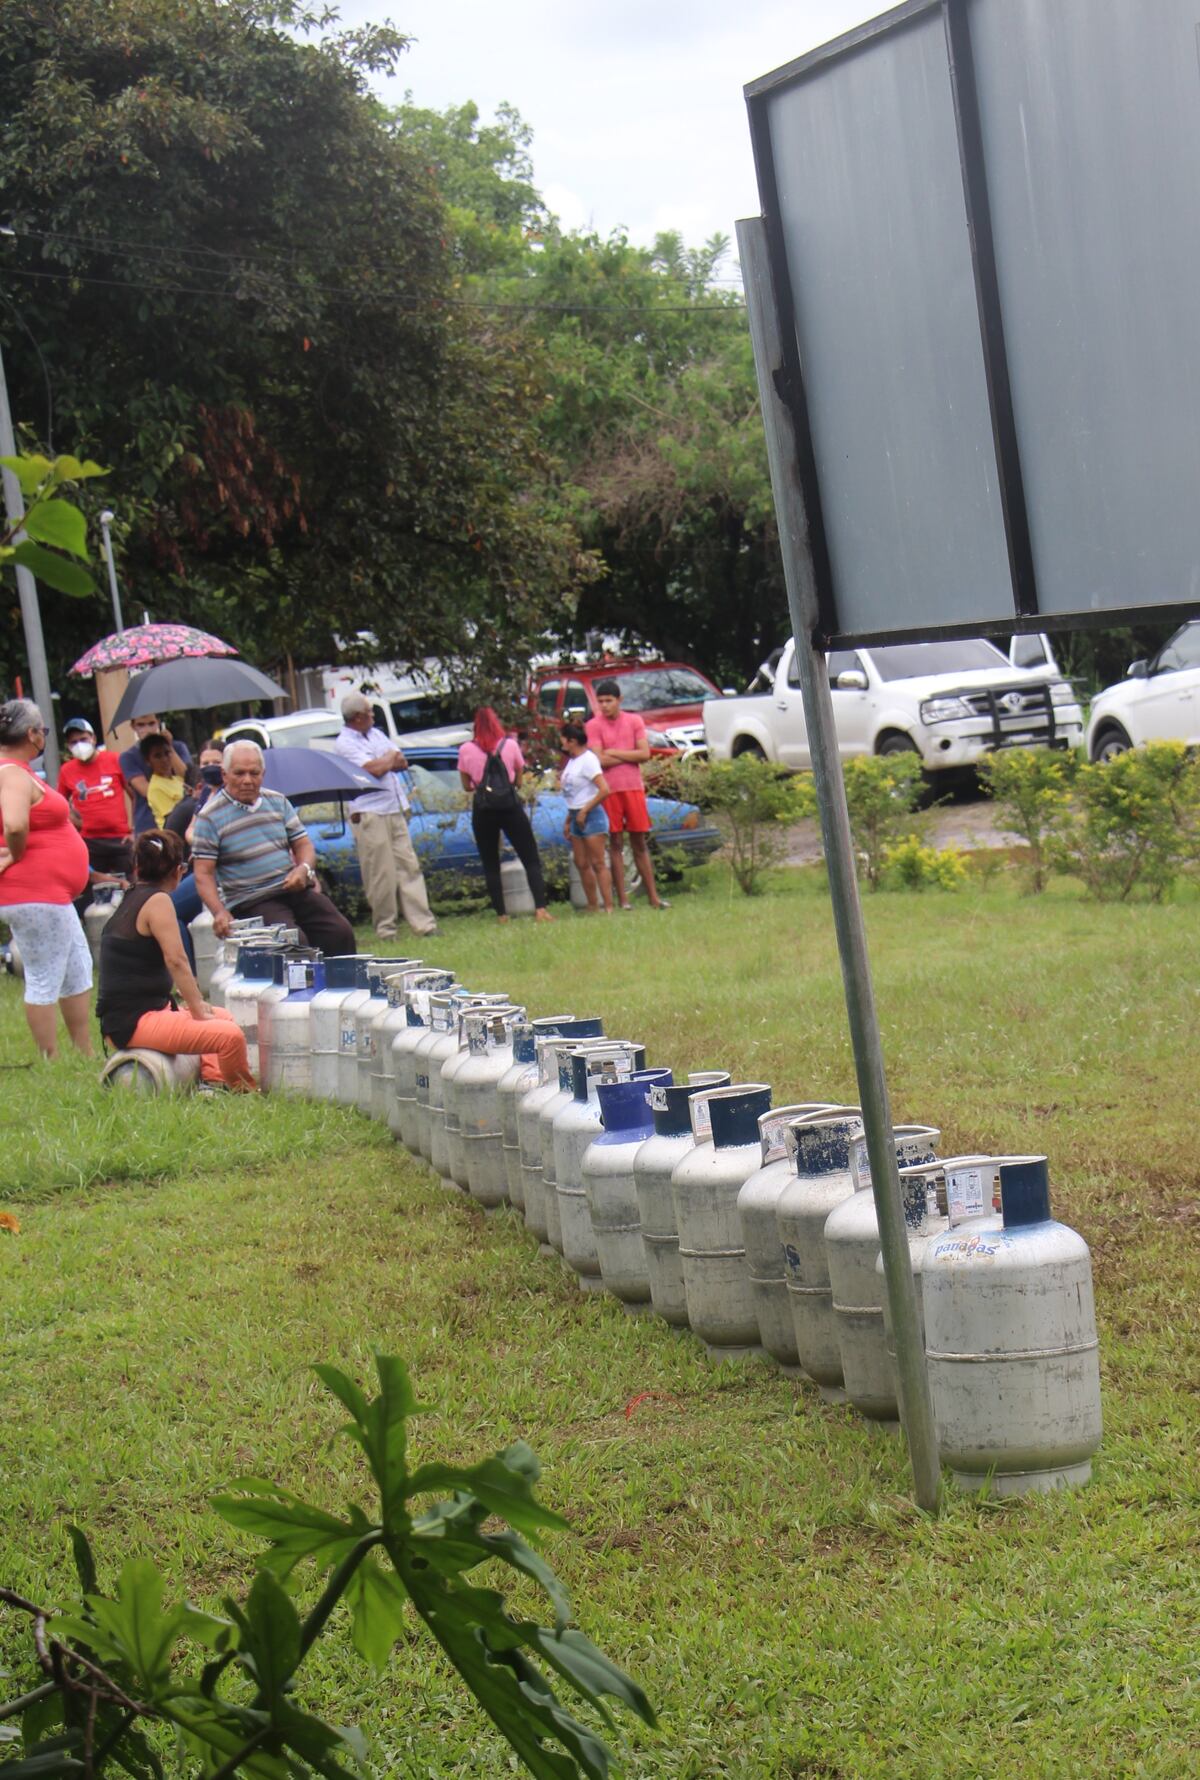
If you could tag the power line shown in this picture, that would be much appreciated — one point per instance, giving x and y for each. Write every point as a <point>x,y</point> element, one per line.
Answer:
<point>393,298</point>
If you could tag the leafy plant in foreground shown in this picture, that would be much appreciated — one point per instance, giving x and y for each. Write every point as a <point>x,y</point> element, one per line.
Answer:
<point>753,799</point>
<point>119,1659</point>
<point>881,795</point>
<point>1032,788</point>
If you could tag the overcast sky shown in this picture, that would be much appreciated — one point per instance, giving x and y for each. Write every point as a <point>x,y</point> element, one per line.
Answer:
<point>636,105</point>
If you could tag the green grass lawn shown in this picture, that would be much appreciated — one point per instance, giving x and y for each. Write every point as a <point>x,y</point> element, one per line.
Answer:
<point>748,1552</point>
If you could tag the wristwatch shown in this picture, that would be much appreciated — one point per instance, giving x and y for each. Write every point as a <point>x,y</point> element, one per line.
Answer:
<point>311,876</point>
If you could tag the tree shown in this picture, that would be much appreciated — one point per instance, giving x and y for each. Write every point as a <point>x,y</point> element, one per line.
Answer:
<point>653,421</point>
<point>240,276</point>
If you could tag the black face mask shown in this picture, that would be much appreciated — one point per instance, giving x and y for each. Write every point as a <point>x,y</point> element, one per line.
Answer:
<point>212,775</point>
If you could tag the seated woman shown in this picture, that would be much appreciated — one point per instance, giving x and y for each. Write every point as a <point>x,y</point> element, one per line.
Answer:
<point>142,956</point>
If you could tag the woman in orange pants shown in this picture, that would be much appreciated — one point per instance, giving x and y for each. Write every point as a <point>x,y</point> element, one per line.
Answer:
<point>142,959</point>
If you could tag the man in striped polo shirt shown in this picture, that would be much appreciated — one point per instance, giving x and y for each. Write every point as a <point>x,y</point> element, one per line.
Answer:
<point>252,856</point>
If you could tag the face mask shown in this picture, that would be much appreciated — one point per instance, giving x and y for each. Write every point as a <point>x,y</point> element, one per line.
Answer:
<point>83,750</point>
<point>212,775</point>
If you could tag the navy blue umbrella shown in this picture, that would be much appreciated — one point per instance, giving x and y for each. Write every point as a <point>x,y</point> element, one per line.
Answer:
<point>312,775</point>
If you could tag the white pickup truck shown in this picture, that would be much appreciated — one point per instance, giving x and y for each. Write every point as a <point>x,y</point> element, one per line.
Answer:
<point>950,702</point>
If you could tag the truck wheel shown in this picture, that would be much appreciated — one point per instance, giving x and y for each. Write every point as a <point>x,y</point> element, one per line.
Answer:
<point>894,741</point>
<point>1111,741</point>
<point>746,746</point>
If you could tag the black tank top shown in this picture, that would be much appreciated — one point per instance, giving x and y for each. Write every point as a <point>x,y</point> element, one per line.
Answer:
<point>134,979</point>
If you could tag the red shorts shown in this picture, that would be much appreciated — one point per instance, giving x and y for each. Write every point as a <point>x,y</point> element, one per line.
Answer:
<point>627,812</point>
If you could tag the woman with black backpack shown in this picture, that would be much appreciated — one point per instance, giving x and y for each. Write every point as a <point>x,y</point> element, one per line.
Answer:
<point>490,766</point>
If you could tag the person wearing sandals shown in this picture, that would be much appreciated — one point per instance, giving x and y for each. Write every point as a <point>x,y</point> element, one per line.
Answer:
<point>142,959</point>
<point>490,765</point>
<point>586,827</point>
<point>43,869</point>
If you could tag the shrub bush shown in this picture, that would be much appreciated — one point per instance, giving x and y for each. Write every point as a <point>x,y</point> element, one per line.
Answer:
<point>911,865</point>
<point>881,794</point>
<point>1135,823</point>
<point>1032,789</point>
<point>753,800</point>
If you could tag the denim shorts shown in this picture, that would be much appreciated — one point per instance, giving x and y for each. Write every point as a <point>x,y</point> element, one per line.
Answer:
<point>595,822</point>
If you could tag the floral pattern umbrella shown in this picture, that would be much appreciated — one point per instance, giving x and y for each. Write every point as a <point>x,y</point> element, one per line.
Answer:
<point>144,644</point>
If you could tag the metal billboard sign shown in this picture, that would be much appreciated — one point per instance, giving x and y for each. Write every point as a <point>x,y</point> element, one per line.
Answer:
<point>983,232</point>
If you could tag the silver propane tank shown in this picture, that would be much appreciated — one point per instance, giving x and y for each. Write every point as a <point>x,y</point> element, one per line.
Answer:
<point>368,1019</point>
<point>852,1249</point>
<point>489,1057</point>
<point>448,1158</point>
<point>529,1117</point>
<point>756,1212</point>
<point>287,1054</point>
<point>569,1122</point>
<point>405,1046</point>
<point>819,1149</point>
<point>204,950</point>
<point>255,975</point>
<point>393,1019</point>
<point>347,1067</point>
<point>520,1076</point>
<point>325,1023</point>
<point>922,1192</point>
<point>653,1167</point>
<point>1011,1342</point>
<point>607,1173</point>
<point>575,1130</point>
<point>431,1050</point>
<point>290,974</point>
<point>106,900</point>
<point>705,1187</point>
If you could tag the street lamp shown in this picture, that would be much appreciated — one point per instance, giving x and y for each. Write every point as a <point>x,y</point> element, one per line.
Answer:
<point>106,519</point>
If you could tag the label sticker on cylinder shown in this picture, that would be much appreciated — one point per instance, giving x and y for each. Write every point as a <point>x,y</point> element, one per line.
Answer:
<point>770,1137</point>
<point>701,1116</point>
<point>860,1163</point>
<point>297,976</point>
<point>348,1038</point>
<point>968,1193</point>
<point>658,1099</point>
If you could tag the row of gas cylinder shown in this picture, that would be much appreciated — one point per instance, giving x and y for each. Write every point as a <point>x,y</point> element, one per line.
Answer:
<point>699,1202</point>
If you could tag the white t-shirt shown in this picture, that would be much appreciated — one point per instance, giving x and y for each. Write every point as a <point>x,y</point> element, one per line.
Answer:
<point>578,779</point>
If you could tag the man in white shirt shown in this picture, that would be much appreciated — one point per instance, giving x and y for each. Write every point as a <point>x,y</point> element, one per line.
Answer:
<point>391,872</point>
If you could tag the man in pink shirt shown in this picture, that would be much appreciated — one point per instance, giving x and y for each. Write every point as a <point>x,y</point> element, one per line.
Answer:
<point>618,738</point>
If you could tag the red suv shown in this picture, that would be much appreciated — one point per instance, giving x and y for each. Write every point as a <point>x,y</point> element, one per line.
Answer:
<point>666,695</point>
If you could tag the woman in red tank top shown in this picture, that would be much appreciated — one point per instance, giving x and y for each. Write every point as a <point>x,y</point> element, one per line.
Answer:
<point>43,868</point>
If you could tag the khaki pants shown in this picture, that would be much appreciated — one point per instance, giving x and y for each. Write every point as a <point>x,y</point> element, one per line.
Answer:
<point>391,873</point>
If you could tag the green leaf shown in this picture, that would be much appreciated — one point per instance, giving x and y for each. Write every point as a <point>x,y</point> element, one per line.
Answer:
<point>502,1483</point>
<point>38,1720</point>
<point>294,1529</point>
<point>30,471</point>
<point>47,1758</point>
<point>55,571</point>
<point>136,1756</point>
<point>71,469</point>
<point>133,1626</point>
<point>379,1607</point>
<point>85,1563</point>
<point>269,1647</point>
<point>379,1428</point>
<point>589,1671</point>
<point>60,524</point>
<point>316,1743</point>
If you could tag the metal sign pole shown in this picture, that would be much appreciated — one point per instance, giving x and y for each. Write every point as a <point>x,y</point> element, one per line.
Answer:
<point>915,1406</point>
<point>31,616</point>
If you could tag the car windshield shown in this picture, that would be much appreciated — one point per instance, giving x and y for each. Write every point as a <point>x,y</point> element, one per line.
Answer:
<point>657,689</point>
<point>436,785</point>
<point>299,735</point>
<point>908,661</point>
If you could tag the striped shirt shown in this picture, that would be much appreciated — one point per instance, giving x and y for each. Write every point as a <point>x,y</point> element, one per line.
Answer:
<point>251,843</point>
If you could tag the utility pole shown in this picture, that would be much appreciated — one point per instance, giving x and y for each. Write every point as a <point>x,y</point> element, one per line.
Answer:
<point>31,617</point>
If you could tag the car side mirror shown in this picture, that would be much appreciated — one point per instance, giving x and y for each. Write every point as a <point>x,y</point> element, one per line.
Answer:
<point>728,692</point>
<point>1136,670</point>
<point>852,680</point>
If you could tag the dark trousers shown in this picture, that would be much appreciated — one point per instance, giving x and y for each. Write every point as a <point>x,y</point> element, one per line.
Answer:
<point>311,911</point>
<point>111,857</point>
<point>187,902</point>
<point>487,827</point>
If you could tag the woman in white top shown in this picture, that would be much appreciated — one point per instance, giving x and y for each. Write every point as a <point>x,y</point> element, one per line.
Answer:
<point>586,827</point>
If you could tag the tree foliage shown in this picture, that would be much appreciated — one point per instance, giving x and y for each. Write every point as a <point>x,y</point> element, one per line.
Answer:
<point>240,276</point>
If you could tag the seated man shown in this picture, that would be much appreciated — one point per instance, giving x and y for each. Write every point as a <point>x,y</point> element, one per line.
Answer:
<point>251,856</point>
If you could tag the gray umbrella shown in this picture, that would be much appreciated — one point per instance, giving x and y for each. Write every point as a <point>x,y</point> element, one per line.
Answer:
<point>313,775</point>
<point>196,684</point>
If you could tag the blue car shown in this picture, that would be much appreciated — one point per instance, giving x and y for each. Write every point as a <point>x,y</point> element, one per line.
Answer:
<point>440,825</point>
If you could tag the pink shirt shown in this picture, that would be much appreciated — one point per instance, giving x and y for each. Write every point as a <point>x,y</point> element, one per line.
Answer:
<point>472,759</point>
<point>623,731</point>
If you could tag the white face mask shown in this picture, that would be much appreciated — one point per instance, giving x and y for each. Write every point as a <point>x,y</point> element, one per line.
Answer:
<point>83,750</point>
